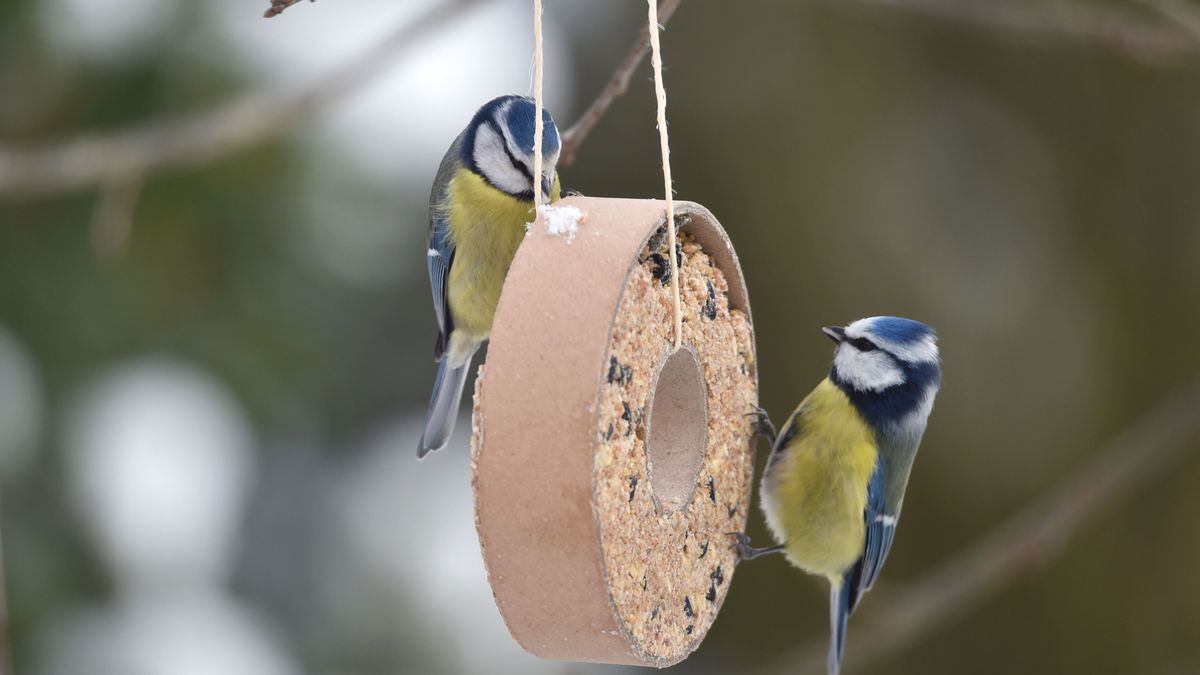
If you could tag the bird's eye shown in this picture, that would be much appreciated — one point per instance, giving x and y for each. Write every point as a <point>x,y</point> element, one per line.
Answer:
<point>863,344</point>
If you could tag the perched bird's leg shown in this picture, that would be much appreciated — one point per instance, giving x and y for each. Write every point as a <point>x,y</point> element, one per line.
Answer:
<point>747,552</point>
<point>762,424</point>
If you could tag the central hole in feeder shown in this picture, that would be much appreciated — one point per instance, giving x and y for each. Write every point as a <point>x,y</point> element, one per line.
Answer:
<point>676,430</point>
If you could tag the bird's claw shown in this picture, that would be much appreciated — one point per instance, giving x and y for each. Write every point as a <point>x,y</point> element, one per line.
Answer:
<point>742,545</point>
<point>761,424</point>
<point>747,552</point>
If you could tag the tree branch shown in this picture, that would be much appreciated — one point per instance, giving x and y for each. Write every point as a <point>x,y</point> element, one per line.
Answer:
<point>1076,19</point>
<point>1183,13</point>
<point>205,137</point>
<point>1025,543</point>
<point>201,138</point>
<point>277,7</point>
<point>617,85</point>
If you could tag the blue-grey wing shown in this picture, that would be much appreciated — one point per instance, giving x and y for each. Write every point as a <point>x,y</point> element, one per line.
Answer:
<point>440,257</point>
<point>885,496</point>
<point>440,253</point>
<point>881,530</point>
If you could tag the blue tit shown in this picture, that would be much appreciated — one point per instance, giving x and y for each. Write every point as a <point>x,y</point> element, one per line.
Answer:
<point>482,199</point>
<point>835,481</point>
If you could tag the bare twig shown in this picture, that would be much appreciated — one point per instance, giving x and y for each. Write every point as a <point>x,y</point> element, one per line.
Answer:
<point>617,85</point>
<point>201,138</point>
<point>1183,13</point>
<point>277,7</point>
<point>1118,30</point>
<point>1076,19</point>
<point>1028,541</point>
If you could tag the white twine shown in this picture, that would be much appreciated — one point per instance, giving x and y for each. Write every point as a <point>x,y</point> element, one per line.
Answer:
<point>537,103</point>
<point>665,146</point>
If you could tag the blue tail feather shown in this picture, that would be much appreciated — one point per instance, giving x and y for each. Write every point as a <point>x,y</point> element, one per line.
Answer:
<point>839,612</point>
<point>443,406</point>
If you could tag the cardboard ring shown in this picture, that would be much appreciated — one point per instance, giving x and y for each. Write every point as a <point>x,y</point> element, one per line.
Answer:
<point>581,398</point>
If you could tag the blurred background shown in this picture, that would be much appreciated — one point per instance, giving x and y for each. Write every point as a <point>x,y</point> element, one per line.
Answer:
<point>212,377</point>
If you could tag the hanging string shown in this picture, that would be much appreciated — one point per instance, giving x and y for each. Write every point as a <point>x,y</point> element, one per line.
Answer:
<point>537,103</point>
<point>665,146</point>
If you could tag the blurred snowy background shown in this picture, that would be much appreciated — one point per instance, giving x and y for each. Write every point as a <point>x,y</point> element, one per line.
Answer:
<point>207,439</point>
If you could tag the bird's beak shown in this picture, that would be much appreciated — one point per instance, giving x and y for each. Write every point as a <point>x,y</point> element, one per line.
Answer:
<point>835,333</point>
<point>546,184</point>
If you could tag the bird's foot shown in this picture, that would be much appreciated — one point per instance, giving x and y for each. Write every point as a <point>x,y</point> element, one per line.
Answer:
<point>747,552</point>
<point>761,424</point>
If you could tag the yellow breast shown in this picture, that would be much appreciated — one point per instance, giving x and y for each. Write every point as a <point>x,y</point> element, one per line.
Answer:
<point>815,488</point>
<point>486,226</point>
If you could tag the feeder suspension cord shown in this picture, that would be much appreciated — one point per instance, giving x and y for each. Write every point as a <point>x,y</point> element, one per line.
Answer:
<point>537,104</point>
<point>665,147</point>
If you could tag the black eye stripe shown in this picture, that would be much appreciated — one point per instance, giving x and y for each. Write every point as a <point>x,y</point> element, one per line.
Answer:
<point>518,165</point>
<point>511,157</point>
<point>863,344</point>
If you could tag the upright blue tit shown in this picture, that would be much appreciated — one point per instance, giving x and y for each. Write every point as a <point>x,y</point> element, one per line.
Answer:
<point>835,481</point>
<point>481,200</point>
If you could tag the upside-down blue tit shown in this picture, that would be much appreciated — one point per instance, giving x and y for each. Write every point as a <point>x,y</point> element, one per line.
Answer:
<point>482,199</point>
<point>835,481</point>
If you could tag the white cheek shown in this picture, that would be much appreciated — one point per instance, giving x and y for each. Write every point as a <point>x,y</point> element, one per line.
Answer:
<point>867,371</point>
<point>494,163</point>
